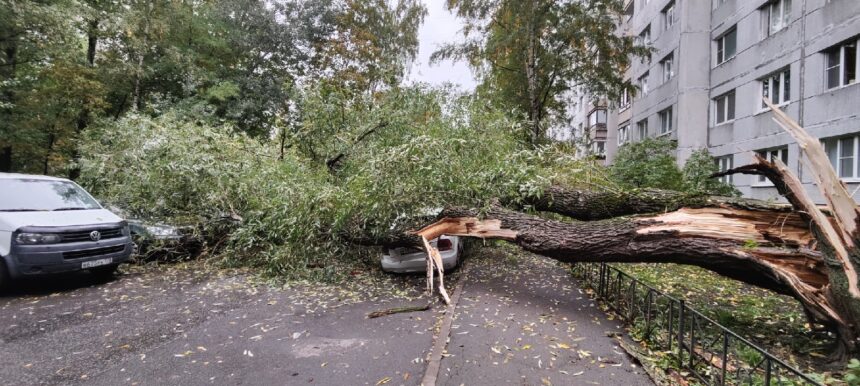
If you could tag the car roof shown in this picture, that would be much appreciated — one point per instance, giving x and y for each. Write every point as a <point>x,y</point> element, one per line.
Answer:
<point>17,176</point>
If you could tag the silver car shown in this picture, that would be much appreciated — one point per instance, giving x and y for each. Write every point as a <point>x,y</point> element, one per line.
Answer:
<point>408,259</point>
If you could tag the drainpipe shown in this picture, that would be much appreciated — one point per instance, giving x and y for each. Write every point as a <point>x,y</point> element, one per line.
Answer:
<point>802,76</point>
<point>802,79</point>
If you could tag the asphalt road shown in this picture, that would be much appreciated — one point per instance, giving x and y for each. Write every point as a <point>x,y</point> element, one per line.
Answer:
<point>527,323</point>
<point>184,326</point>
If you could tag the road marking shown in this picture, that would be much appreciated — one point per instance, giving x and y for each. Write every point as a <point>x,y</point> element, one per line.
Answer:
<point>435,362</point>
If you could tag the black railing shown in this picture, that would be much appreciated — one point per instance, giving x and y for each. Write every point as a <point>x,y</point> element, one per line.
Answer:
<point>712,353</point>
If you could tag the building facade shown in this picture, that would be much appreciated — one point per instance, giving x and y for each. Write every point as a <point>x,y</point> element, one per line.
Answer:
<point>714,60</point>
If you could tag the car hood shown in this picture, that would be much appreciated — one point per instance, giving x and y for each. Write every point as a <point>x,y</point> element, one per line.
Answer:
<point>10,221</point>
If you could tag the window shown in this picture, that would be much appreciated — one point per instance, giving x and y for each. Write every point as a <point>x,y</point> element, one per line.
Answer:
<point>669,16</point>
<point>623,133</point>
<point>724,109</point>
<point>840,65</point>
<point>842,153</point>
<point>725,163</point>
<point>643,84</point>
<point>624,100</point>
<point>776,87</point>
<point>775,16</point>
<point>727,45</point>
<point>665,121</point>
<point>597,117</point>
<point>642,128</point>
<point>666,66</point>
<point>598,147</point>
<point>645,36</point>
<point>779,153</point>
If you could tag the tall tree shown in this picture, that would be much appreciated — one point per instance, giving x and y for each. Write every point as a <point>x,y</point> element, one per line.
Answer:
<point>65,64</point>
<point>372,43</point>
<point>44,82</point>
<point>529,52</point>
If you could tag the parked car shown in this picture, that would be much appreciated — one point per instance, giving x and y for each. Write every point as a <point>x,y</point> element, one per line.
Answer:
<point>406,259</point>
<point>164,242</point>
<point>52,225</point>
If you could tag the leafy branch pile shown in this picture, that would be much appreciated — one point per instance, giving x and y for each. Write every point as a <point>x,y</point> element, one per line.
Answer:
<point>287,210</point>
<point>280,129</point>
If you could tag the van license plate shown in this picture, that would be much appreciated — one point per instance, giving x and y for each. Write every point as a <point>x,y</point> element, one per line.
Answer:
<point>96,263</point>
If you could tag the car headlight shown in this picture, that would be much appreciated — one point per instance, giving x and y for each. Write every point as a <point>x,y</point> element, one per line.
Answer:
<point>37,238</point>
<point>124,229</point>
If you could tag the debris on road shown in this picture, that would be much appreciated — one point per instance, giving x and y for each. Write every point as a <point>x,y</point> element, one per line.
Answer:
<point>397,310</point>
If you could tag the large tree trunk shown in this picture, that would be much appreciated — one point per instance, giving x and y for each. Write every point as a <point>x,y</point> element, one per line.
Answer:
<point>6,159</point>
<point>83,119</point>
<point>801,250</point>
<point>532,86</point>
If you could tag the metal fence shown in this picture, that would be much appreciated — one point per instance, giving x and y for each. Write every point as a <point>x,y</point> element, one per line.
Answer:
<point>710,352</point>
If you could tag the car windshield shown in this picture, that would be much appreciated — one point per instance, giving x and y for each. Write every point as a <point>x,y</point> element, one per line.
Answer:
<point>22,194</point>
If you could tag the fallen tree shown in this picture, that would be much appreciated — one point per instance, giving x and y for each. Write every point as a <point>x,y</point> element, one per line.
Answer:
<point>800,249</point>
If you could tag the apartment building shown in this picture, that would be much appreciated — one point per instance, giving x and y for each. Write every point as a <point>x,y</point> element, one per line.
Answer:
<point>714,60</point>
<point>586,126</point>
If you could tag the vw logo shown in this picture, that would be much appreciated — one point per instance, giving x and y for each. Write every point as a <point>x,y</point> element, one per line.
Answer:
<point>95,236</point>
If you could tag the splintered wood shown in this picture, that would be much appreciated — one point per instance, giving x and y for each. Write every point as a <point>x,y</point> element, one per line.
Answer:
<point>465,226</point>
<point>434,261</point>
<point>843,234</point>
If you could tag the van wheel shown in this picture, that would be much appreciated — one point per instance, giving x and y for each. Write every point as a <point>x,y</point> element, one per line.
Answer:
<point>104,273</point>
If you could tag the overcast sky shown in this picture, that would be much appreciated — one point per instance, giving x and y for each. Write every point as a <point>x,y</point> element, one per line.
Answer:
<point>440,26</point>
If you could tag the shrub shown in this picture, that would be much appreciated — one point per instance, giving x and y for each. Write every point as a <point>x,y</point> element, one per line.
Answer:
<point>697,171</point>
<point>166,169</point>
<point>649,163</point>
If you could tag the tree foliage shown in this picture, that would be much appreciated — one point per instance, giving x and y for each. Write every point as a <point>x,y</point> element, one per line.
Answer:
<point>372,43</point>
<point>697,175</point>
<point>292,209</point>
<point>649,163</point>
<point>529,53</point>
<point>66,64</point>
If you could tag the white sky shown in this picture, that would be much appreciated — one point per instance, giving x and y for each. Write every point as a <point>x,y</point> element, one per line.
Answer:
<point>440,26</point>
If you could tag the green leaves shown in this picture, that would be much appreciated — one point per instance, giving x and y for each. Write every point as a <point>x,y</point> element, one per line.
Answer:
<point>697,175</point>
<point>372,42</point>
<point>649,163</point>
<point>531,53</point>
<point>852,372</point>
<point>436,149</point>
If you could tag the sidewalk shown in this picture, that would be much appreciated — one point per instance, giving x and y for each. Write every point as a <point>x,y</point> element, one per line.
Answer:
<point>527,323</point>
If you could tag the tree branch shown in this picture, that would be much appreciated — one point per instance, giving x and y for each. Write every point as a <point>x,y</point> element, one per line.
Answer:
<point>333,162</point>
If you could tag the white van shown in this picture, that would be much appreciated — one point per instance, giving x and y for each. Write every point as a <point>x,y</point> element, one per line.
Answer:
<point>52,225</point>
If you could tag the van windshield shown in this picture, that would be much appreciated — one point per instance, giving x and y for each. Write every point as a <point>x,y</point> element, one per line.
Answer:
<point>22,195</point>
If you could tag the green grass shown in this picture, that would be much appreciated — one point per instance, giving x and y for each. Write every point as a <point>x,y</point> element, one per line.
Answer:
<point>774,322</point>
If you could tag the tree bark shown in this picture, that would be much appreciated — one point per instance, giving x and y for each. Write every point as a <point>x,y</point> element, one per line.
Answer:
<point>83,119</point>
<point>798,249</point>
<point>92,41</point>
<point>589,205</point>
<point>801,249</point>
<point>772,249</point>
<point>8,71</point>
<point>334,162</point>
<point>48,151</point>
<point>532,80</point>
<point>6,159</point>
<point>136,100</point>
